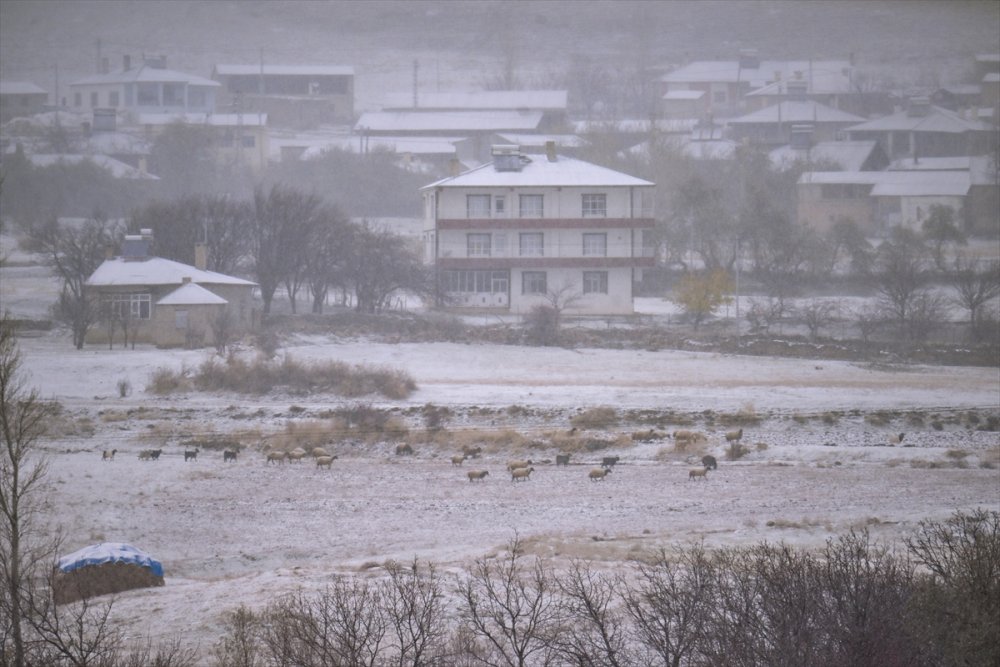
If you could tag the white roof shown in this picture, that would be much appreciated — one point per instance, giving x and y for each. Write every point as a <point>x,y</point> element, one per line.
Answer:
<point>539,140</point>
<point>145,74</point>
<point>698,149</point>
<point>117,168</point>
<point>285,70</point>
<point>636,125</point>
<point>211,119</point>
<point>978,166</point>
<point>448,121</point>
<point>936,120</point>
<point>897,183</point>
<point>684,95</point>
<point>190,294</point>
<point>991,77</point>
<point>850,155</point>
<point>796,111</point>
<point>155,271</point>
<point>481,100</point>
<point>21,88</point>
<point>825,76</point>
<point>315,147</point>
<point>538,171</point>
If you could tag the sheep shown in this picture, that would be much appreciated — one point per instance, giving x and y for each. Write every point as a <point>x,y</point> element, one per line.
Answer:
<point>109,456</point>
<point>324,461</point>
<point>318,452</point>
<point>155,454</point>
<point>520,474</point>
<point>685,438</point>
<point>895,439</point>
<point>275,457</point>
<point>647,436</point>
<point>710,463</point>
<point>145,454</point>
<point>229,455</point>
<point>190,455</point>
<point>609,461</point>
<point>458,459</point>
<point>513,465</point>
<point>598,474</point>
<point>472,452</point>
<point>698,473</point>
<point>734,436</point>
<point>562,459</point>
<point>404,450</point>
<point>477,475</point>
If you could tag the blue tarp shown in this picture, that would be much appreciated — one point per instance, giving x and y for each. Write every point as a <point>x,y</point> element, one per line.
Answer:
<point>109,552</point>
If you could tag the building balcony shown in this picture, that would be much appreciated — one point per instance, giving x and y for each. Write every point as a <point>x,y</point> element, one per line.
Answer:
<point>538,263</point>
<point>546,223</point>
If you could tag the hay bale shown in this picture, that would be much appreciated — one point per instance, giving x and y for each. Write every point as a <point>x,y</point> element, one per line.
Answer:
<point>94,580</point>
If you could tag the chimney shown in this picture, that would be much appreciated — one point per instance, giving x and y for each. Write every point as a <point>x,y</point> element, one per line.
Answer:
<point>454,167</point>
<point>109,252</point>
<point>200,256</point>
<point>550,150</point>
<point>126,62</point>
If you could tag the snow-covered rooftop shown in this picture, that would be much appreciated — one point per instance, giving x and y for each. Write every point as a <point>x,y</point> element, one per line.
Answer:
<point>684,95</point>
<point>824,76</point>
<point>482,100</point>
<point>190,294</point>
<point>897,183</point>
<point>797,111</point>
<point>448,121</point>
<point>936,120</point>
<point>116,168</point>
<point>539,140</point>
<point>538,171</point>
<point>145,74</point>
<point>21,88</point>
<point>636,125</point>
<point>850,155</point>
<point>156,271</point>
<point>284,70</point>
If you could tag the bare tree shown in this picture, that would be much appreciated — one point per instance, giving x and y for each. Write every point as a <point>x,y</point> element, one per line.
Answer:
<point>414,606</point>
<point>899,280</point>
<point>382,263</point>
<point>327,257</point>
<point>592,630</point>
<point>975,289</point>
<point>23,419</point>
<point>509,609</point>
<point>940,230</point>
<point>816,315</point>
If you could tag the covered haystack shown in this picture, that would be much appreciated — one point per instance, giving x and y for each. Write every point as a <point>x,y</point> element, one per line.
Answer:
<point>100,569</point>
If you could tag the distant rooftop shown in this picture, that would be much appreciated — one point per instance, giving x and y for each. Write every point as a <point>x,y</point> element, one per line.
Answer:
<point>936,120</point>
<point>539,171</point>
<point>116,168</point>
<point>448,121</point>
<point>824,76</point>
<point>483,100</point>
<point>794,111</point>
<point>145,74</point>
<point>248,119</point>
<point>21,88</point>
<point>897,183</point>
<point>284,70</point>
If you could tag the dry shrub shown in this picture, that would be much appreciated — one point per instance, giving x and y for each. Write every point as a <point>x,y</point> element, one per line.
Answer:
<point>736,451</point>
<point>956,454</point>
<point>747,416</point>
<point>165,381</point>
<point>761,446</point>
<point>990,459</point>
<point>491,441</point>
<point>595,418</point>
<point>113,416</point>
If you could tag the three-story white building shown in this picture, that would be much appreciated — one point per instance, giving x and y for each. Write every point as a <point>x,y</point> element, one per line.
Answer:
<point>525,229</point>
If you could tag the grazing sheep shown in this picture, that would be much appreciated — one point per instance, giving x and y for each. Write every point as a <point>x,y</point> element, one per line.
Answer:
<point>324,461</point>
<point>318,452</point>
<point>109,456</point>
<point>190,455</point>
<point>145,454</point>
<point>598,474</point>
<point>562,459</point>
<point>609,461</point>
<point>297,454</point>
<point>520,474</point>
<point>647,436</point>
<point>734,436</point>
<point>275,457</point>
<point>472,452</point>
<point>513,465</point>
<point>477,475</point>
<point>229,455</point>
<point>155,454</point>
<point>698,473</point>
<point>709,462</point>
<point>404,450</point>
<point>896,438</point>
<point>458,459</point>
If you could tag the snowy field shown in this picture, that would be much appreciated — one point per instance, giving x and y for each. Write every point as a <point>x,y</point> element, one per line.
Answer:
<point>242,533</point>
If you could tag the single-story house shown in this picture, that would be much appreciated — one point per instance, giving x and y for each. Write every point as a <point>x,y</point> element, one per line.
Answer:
<point>21,98</point>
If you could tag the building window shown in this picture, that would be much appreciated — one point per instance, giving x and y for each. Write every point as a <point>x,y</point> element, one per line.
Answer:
<point>93,99</point>
<point>595,206</point>
<point>532,206</point>
<point>595,282</point>
<point>478,245</point>
<point>148,94</point>
<point>248,141</point>
<point>180,319</point>
<point>533,282</point>
<point>479,282</point>
<point>595,245</point>
<point>532,244</point>
<point>113,98</point>
<point>128,306</point>
<point>500,206</point>
<point>477,206</point>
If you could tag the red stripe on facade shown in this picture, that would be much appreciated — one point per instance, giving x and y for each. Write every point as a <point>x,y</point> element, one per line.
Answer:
<point>485,263</point>
<point>546,223</point>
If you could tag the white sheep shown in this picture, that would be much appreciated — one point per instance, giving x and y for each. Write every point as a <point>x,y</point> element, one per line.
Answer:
<point>896,438</point>
<point>458,459</point>
<point>275,457</point>
<point>109,455</point>
<point>477,475</point>
<point>698,473</point>
<point>521,474</point>
<point>296,454</point>
<point>318,452</point>
<point>324,461</point>
<point>514,465</point>
<point>734,436</point>
<point>598,474</point>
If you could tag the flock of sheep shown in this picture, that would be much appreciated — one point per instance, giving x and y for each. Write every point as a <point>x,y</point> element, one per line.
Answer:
<point>519,470</point>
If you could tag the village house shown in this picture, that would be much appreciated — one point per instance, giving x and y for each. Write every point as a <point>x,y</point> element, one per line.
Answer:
<point>551,103</point>
<point>778,124</point>
<point>148,87</point>
<point>19,99</point>
<point>293,96</point>
<point>234,140</point>
<point>525,229</point>
<point>169,304</point>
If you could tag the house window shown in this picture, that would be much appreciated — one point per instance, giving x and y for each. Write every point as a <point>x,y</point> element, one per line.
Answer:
<point>113,98</point>
<point>531,206</point>
<point>481,282</point>
<point>500,206</point>
<point>532,244</point>
<point>595,245</point>
<point>128,306</point>
<point>173,94</point>
<point>477,206</point>
<point>533,282</point>
<point>148,94</point>
<point>248,141</point>
<point>180,319</point>
<point>478,245</point>
<point>595,282</point>
<point>595,206</point>
<point>93,99</point>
